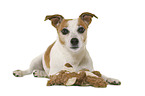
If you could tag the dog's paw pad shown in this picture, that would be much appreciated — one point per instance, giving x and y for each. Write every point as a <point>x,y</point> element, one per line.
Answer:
<point>18,73</point>
<point>113,81</point>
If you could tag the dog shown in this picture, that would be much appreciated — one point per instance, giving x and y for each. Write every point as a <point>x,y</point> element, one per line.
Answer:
<point>70,47</point>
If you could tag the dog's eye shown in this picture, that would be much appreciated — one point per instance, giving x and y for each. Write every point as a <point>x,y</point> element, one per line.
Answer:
<point>65,31</point>
<point>81,29</point>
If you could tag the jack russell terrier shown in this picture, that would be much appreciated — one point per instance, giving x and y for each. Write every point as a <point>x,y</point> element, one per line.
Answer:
<point>70,47</point>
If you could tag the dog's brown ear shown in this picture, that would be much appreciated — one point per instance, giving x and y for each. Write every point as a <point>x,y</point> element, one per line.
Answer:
<point>87,17</point>
<point>55,19</point>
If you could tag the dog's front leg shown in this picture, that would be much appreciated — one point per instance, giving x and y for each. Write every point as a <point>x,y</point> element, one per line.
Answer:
<point>111,81</point>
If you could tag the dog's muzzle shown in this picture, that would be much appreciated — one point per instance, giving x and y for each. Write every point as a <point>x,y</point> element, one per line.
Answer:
<point>74,42</point>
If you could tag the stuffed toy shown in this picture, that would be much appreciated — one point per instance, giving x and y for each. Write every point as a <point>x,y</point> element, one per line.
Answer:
<point>81,78</point>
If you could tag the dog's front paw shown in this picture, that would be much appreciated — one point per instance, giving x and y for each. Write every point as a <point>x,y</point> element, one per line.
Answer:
<point>18,73</point>
<point>39,73</point>
<point>113,81</point>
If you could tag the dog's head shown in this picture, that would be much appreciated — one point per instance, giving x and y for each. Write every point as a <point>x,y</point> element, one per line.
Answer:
<point>72,33</point>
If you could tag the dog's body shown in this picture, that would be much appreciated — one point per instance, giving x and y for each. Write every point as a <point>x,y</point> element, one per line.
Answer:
<point>70,47</point>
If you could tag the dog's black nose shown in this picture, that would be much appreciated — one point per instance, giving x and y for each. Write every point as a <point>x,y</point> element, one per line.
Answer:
<point>74,41</point>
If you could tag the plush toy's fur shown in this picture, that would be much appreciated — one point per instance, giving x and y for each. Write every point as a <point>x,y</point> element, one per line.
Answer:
<point>73,78</point>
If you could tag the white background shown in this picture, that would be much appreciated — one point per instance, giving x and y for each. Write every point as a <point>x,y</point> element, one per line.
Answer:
<point>116,42</point>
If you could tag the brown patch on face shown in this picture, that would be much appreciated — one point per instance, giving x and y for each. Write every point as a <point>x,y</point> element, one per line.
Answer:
<point>68,65</point>
<point>83,24</point>
<point>62,25</point>
<point>47,55</point>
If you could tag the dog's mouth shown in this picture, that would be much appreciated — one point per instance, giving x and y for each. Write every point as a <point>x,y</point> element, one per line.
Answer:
<point>74,47</point>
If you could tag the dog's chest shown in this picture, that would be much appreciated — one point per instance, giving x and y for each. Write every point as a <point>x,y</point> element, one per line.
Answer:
<point>59,57</point>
